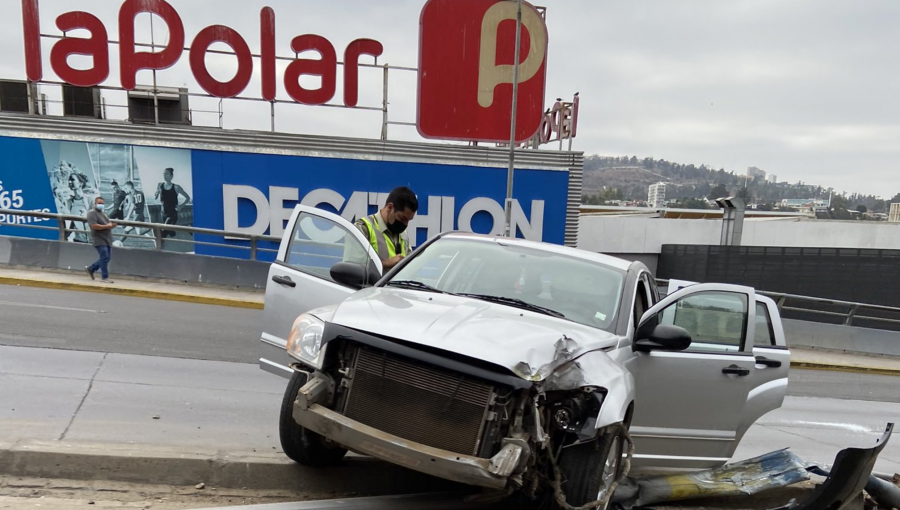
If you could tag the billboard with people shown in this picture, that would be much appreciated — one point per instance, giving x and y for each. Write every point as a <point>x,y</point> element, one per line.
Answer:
<point>254,193</point>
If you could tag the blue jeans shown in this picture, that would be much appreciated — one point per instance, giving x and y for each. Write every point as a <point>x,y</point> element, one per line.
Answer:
<point>103,263</point>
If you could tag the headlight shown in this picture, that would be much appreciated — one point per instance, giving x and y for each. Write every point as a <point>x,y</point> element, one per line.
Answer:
<point>305,341</point>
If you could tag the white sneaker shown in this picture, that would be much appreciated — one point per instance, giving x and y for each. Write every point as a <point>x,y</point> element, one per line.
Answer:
<point>106,280</point>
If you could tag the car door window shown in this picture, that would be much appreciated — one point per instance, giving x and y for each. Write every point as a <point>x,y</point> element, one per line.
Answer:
<point>764,334</point>
<point>318,243</point>
<point>716,321</point>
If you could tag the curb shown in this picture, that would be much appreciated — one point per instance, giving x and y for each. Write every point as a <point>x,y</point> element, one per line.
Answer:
<point>124,291</point>
<point>189,466</point>
<point>804,365</point>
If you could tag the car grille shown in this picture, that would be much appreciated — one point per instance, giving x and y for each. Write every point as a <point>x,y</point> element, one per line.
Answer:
<point>418,402</point>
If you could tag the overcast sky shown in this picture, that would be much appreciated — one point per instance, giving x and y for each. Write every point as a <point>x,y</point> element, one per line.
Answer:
<point>806,89</point>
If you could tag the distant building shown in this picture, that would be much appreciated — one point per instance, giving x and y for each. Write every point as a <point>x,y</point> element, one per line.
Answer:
<point>772,179</point>
<point>804,203</point>
<point>754,173</point>
<point>656,196</point>
<point>894,216</point>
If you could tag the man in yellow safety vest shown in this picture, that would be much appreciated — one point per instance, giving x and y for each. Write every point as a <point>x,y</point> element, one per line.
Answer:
<point>385,229</point>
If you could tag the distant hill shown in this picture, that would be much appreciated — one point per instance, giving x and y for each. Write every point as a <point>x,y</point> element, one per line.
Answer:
<point>631,177</point>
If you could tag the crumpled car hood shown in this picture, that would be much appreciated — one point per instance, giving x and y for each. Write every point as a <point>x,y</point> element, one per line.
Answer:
<point>495,333</point>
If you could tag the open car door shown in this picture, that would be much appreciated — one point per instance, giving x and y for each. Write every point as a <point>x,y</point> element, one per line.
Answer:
<point>300,278</point>
<point>690,404</point>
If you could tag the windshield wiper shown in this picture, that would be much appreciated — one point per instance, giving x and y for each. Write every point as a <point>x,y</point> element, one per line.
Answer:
<point>413,284</point>
<point>515,302</point>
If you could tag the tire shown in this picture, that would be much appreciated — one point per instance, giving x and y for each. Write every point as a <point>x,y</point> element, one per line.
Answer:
<point>589,469</point>
<point>299,444</point>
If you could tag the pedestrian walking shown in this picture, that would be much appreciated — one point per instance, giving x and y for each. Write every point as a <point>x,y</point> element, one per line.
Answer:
<point>101,237</point>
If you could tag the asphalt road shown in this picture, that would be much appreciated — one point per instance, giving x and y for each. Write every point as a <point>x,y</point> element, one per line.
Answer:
<point>84,321</point>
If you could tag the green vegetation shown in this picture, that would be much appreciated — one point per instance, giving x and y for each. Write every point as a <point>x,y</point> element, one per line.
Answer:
<point>608,179</point>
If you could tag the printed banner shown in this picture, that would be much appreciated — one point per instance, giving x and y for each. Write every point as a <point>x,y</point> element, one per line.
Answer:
<point>256,193</point>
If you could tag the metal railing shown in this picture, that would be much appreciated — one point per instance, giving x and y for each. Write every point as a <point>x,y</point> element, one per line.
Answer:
<point>66,224</point>
<point>831,311</point>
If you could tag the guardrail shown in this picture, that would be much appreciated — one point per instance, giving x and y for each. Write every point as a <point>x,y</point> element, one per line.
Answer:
<point>66,222</point>
<point>830,311</point>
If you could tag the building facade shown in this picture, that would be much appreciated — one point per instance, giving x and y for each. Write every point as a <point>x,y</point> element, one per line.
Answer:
<point>754,173</point>
<point>656,195</point>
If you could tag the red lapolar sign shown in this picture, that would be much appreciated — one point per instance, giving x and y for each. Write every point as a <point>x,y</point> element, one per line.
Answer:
<point>466,57</point>
<point>131,61</point>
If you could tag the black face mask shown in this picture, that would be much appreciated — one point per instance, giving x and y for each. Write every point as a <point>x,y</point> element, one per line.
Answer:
<point>396,227</point>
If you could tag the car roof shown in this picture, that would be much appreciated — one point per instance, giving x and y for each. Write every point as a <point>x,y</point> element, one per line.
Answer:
<point>606,260</point>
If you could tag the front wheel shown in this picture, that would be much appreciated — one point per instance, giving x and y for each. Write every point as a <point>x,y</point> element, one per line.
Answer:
<point>589,469</point>
<point>299,444</point>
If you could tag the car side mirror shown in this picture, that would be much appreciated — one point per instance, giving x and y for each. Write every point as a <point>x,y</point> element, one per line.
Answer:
<point>662,337</point>
<point>350,274</point>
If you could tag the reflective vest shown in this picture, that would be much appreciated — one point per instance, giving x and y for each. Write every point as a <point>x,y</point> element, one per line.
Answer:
<point>381,241</point>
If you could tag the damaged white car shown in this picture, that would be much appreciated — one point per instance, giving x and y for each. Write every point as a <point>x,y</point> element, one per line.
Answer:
<point>499,362</point>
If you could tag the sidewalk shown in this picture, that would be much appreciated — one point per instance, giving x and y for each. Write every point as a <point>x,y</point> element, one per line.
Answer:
<point>92,415</point>
<point>79,280</point>
<point>801,358</point>
<point>814,359</point>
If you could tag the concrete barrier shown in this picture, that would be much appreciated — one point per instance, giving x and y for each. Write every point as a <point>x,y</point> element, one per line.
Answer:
<point>844,338</point>
<point>181,267</point>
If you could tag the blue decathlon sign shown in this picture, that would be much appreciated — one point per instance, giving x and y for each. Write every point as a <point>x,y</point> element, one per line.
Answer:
<point>256,193</point>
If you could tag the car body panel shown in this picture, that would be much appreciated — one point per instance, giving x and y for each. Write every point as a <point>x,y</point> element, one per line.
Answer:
<point>283,303</point>
<point>677,420</point>
<point>499,334</point>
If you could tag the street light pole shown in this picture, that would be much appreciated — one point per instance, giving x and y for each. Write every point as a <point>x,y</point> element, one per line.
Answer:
<point>512,128</point>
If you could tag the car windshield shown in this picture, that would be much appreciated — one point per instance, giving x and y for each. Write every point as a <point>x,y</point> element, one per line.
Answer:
<point>579,290</point>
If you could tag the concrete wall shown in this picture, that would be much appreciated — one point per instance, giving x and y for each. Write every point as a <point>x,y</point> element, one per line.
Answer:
<point>15,251</point>
<point>624,234</point>
<point>847,338</point>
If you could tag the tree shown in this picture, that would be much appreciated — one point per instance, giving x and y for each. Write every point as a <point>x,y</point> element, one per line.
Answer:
<point>896,199</point>
<point>745,195</point>
<point>693,203</point>
<point>718,192</point>
<point>862,209</point>
<point>839,203</point>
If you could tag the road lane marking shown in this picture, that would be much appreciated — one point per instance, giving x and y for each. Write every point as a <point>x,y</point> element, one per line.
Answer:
<point>51,307</point>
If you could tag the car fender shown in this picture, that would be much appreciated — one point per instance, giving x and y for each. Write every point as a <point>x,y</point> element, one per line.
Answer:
<point>601,371</point>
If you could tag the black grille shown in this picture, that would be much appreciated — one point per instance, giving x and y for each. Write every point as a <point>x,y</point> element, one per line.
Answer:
<point>418,402</point>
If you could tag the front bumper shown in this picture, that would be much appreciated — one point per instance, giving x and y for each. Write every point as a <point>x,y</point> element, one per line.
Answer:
<point>491,473</point>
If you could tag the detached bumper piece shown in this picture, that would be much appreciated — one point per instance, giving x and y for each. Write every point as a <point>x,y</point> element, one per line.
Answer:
<point>852,472</point>
<point>468,469</point>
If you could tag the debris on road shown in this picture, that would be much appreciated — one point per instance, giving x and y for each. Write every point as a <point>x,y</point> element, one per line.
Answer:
<point>200,485</point>
<point>851,474</point>
<point>844,484</point>
<point>746,478</point>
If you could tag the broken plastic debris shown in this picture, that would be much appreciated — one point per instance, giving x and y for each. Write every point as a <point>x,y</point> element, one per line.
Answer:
<point>772,470</point>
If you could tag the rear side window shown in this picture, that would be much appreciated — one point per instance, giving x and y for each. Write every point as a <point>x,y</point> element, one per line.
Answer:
<point>764,334</point>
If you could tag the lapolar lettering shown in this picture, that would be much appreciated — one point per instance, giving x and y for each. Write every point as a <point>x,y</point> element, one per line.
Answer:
<point>273,213</point>
<point>131,61</point>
